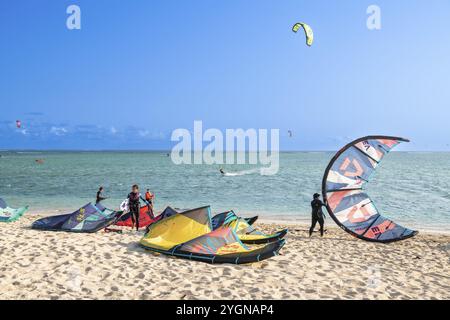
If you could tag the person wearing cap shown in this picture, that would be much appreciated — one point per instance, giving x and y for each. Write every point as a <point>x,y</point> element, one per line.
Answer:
<point>316,214</point>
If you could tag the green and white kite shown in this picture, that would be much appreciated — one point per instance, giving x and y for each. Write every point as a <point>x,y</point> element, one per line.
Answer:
<point>308,32</point>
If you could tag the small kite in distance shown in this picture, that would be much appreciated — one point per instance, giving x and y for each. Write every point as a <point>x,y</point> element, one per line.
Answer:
<point>290,133</point>
<point>308,32</point>
<point>18,124</point>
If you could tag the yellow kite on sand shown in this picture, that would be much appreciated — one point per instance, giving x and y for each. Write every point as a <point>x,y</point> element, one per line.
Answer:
<point>190,235</point>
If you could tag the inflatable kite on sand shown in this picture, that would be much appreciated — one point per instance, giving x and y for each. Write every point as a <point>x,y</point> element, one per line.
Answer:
<point>190,235</point>
<point>244,229</point>
<point>146,217</point>
<point>342,188</point>
<point>89,219</point>
<point>8,214</point>
<point>228,216</point>
<point>242,226</point>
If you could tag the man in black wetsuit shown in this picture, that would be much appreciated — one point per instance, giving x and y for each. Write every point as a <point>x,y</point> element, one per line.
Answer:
<point>100,196</point>
<point>316,214</point>
<point>134,204</point>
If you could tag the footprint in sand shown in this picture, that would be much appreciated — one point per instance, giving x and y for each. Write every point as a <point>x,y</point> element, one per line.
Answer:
<point>226,272</point>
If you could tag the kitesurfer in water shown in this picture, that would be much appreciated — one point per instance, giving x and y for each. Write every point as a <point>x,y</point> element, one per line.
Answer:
<point>221,171</point>
<point>134,204</point>
<point>100,196</point>
<point>316,214</point>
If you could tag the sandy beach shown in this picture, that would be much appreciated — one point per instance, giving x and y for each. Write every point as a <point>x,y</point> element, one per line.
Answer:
<point>59,265</point>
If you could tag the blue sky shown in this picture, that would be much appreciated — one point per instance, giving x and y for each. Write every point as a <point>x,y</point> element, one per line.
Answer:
<point>139,69</point>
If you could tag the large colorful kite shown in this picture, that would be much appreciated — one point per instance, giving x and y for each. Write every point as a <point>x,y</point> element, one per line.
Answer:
<point>342,188</point>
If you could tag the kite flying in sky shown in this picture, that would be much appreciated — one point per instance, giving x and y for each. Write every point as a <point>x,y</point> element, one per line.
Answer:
<point>308,32</point>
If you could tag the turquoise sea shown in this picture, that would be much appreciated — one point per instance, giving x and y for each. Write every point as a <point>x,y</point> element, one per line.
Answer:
<point>412,188</point>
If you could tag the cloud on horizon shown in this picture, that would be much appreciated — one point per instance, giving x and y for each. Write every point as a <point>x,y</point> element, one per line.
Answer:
<point>42,135</point>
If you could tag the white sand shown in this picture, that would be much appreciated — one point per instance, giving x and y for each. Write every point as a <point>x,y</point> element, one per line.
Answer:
<point>60,265</point>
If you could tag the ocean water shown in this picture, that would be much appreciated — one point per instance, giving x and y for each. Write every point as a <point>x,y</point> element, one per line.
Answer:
<point>412,188</point>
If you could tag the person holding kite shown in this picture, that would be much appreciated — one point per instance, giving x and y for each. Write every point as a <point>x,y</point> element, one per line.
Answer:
<point>317,214</point>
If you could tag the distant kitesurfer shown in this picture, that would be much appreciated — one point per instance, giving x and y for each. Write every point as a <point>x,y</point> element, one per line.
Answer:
<point>221,171</point>
<point>134,204</point>
<point>100,196</point>
<point>316,214</point>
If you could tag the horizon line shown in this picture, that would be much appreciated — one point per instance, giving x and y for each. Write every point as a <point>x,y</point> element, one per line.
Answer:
<point>169,151</point>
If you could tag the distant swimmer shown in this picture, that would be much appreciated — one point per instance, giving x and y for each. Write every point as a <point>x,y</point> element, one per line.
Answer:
<point>221,171</point>
<point>100,196</point>
<point>316,214</point>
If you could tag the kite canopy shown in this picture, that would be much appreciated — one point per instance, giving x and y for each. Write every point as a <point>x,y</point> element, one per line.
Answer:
<point>189,235</point>
<point>308,32</point>
<point>221,219</point>
<point>217,221</point>
<point>146,217</point>
<point>90,218</point>
<point>169,211</point>
<point>342,188</point>
<point>243,228</point>
<point>8,214</point>
<point>251,220</point>
<point>226,217</point>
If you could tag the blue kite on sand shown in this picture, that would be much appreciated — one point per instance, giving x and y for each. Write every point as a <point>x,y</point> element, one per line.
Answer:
<point>88,219</point>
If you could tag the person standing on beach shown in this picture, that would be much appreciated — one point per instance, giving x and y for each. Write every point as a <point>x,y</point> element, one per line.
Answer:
<point>134,204</point>
<point>149,198</point>
<point>100,196</point>
<point>316,214</point>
